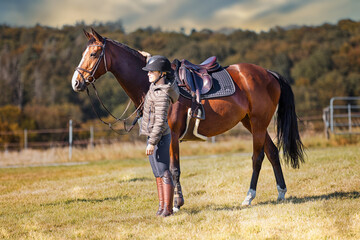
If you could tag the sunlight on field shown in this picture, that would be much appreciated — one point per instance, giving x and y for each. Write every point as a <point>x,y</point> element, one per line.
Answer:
<point>114,151</point>
<point>116,198</point>
<point>129,150</point>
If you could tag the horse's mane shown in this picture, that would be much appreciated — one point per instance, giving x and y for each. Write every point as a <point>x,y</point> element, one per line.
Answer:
<point>137,53</point>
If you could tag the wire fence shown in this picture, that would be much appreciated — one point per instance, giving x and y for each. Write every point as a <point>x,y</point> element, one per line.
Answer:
<point>62,137</point>
<point>100,134</point>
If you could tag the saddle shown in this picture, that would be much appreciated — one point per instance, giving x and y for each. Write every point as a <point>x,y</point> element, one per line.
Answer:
<point>197,80</point>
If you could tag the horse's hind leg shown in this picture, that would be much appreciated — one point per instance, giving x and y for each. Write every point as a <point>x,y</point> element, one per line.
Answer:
<point>272,154</point>
<point>259,134</point>
<point>175,171</point>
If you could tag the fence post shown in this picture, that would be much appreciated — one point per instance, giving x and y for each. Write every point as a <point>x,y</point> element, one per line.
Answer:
<point>92,136</point>
<point>213,139</point>
<point>332,114</point>
<point>25,139</point>
<point>349,117</point>
<point>70,139</point>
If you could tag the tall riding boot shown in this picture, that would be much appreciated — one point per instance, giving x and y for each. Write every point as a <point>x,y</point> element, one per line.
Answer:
<point>168,187</point>
<point>159,184</point>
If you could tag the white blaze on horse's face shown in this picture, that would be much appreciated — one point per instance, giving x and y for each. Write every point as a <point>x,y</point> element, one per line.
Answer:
<point>87,69</point>
<point>75,82</point>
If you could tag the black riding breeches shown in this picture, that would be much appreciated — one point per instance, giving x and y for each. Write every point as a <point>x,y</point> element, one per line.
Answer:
<point>160,159</point>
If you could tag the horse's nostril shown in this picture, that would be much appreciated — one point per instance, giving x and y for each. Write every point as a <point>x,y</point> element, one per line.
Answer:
<point>77,83</point>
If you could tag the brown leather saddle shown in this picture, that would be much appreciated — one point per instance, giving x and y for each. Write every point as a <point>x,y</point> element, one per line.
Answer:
<point>197,80</point>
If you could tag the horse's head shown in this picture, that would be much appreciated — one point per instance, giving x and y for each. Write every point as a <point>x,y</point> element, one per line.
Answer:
<point>93,62</point>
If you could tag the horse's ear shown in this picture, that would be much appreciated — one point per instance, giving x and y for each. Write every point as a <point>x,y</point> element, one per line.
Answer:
<point>88,35</point>
<point>97,36</point>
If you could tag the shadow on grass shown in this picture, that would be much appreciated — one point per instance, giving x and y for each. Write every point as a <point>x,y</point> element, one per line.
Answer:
<point>99,200</point>
<point>334,195</point>
<point>212,207</point>
<point>142,179</point>
<point>87,200</point>
<point>295,200</point>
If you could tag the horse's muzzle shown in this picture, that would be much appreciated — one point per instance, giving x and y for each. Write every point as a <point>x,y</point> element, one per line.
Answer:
<point>77,85</point>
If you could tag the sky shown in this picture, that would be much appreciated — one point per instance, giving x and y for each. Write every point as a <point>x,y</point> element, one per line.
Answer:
<point>172,15</point>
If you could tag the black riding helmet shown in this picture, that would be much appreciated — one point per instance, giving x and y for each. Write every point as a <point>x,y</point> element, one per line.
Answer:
<point>158,63</point>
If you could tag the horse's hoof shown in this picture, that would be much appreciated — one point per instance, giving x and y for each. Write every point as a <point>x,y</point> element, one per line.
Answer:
<point>249,197</point>
<point>281,196</point>
<point>175,209</point>
<point>178,202</point>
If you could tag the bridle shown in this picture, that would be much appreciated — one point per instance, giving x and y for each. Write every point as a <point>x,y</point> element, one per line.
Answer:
<point>138,110</point>
<point>93,71</point>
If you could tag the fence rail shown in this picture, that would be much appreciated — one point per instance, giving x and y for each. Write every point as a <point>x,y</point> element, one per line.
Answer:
<point>62,137</point>
<point>98,134</point>
<point>342,116</point>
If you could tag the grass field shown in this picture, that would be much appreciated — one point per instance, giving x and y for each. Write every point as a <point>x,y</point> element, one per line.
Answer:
<point>116,198</point>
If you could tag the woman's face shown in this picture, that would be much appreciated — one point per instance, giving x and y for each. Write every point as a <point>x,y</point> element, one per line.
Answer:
<point>153,76</point>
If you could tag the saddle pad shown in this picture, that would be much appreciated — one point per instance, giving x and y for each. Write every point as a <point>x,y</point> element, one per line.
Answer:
<point>223,85</point>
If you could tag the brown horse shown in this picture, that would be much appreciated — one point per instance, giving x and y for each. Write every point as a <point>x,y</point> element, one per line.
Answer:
<point>258,93</point>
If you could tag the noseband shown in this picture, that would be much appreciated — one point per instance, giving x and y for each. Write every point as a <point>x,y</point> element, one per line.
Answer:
<point>93,71</point>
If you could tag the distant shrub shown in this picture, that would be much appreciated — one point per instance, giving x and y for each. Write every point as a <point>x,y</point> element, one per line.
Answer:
<point>55,116</point>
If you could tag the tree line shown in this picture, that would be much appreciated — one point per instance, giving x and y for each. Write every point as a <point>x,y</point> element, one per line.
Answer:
<point>37,63</point>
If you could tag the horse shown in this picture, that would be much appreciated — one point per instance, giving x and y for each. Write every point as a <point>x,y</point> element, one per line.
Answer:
<point>258,92</point>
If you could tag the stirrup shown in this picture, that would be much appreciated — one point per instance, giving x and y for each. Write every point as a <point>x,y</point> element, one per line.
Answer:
<point>191,130</point>
<point>198,111</point>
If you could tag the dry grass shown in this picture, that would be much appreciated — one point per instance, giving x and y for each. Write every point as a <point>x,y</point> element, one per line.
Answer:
<point>129,150</point>
<point>116,198</point>
<point>115,151</point>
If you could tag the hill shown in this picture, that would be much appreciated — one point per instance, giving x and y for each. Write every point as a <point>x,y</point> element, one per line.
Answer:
<point>37,64</point>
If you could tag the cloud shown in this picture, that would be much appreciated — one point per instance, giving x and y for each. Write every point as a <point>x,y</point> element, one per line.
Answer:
<point>173,14</point>
<point>261,15</point>
<point>247,9</point>
<point>58,13</point>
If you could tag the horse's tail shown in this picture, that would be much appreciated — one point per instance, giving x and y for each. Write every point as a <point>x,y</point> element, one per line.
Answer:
<point>287,127</point>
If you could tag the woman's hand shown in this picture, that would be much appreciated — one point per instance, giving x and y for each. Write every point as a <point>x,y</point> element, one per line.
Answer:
<point>150,149</point>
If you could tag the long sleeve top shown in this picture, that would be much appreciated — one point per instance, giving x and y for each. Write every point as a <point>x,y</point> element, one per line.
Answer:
<point>157,102</point>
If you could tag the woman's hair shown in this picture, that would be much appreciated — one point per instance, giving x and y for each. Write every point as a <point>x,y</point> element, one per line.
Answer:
<point>169,77</point>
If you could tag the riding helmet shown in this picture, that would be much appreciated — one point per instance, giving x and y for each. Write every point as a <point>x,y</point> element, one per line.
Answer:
<point>158,63</point>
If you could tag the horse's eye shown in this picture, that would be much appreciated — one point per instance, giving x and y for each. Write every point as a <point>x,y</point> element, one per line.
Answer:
<point>93,54</point>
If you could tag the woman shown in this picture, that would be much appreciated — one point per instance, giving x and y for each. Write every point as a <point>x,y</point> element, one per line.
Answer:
<point>162,92</point>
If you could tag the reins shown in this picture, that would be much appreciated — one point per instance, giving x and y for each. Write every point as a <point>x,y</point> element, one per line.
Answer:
<point>138,110</point>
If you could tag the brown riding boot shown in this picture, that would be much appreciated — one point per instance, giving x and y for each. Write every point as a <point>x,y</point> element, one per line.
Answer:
<point>159,184</point>
<point>168,187</point>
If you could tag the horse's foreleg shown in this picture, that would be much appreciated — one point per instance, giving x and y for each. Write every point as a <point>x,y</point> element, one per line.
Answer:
<point>272,154</point>
<point>257,158</point>
<point>175,171</point>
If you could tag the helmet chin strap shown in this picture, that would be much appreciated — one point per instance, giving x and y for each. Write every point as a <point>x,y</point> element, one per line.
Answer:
<point>161,76</point>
